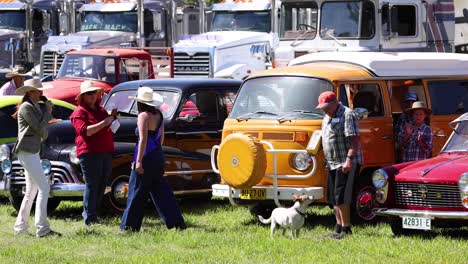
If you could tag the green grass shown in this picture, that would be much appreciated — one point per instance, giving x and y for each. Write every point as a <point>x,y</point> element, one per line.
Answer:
<point>220,233</point>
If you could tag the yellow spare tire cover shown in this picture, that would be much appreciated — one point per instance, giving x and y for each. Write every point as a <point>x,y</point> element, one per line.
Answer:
<point>241,161</point>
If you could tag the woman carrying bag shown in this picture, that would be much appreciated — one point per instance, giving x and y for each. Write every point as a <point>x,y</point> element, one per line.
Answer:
<point>147,174</point>
<point>32,131</point>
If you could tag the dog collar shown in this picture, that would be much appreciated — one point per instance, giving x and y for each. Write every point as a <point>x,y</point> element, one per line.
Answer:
<point>301,213</point>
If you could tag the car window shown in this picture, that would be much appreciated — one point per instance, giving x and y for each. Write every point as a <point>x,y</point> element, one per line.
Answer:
<point>365,95</point>
<point>398,89</point>
<point>449,97</point>
<point>8,123</point>
<point>229,98</point>
<point>61,112</point>
<point>205,105</point>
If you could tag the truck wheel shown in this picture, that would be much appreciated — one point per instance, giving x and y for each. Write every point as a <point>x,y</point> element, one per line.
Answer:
<point>16,201</point>
<point>116,200</point>
<point>398,230</point>
<point>364,204</point>
<point>261,209</point>
<point>241,161</point>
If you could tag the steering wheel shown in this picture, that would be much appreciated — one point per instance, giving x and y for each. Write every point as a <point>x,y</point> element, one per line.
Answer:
<point>305,27</point>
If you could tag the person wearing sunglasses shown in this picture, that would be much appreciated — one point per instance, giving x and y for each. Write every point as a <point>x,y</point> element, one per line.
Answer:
<point>94,146</point>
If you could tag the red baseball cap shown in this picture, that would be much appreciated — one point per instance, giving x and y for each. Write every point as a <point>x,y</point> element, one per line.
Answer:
<point>325,98</point>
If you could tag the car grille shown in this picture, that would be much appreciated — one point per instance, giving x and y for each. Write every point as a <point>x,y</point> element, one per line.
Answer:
<point>197,65</point>
<point>52,62</point>
<point>63,173</point>
<point>428,195</point>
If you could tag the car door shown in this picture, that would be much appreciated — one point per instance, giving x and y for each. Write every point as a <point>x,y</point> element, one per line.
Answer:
<point>198,128</point>
<point>448,99</point>
<point>376,131</point>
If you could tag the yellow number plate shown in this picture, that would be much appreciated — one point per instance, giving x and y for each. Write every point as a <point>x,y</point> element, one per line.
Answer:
<point>253,194</point>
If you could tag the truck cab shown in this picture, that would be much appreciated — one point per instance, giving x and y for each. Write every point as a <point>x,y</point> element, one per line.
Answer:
<point>107,67</point>
<point>24,28</point>
<point>369,25</point>
<point>239,42</point>
<point>120,24</point>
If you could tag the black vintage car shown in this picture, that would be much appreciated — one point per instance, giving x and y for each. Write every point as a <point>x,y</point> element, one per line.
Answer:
<point>194,111</point>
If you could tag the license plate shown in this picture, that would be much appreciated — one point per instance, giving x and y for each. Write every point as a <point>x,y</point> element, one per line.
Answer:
<point>422,223</point>
<point>253,194</point>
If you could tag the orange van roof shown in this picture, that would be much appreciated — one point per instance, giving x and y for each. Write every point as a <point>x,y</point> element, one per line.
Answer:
<point>326,70</point>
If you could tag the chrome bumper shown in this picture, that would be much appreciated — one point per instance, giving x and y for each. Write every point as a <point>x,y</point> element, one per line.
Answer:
<point>67,190</point>
<point>421,213</point>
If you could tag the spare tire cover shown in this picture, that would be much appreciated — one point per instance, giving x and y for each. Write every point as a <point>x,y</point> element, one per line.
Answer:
<point>241,160</point>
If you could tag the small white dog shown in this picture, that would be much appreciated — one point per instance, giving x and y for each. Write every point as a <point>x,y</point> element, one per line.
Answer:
<point>292,217</point>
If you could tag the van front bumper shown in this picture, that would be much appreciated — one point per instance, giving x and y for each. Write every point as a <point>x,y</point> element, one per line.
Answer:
<point>284,193</point>
<point>422,213</point>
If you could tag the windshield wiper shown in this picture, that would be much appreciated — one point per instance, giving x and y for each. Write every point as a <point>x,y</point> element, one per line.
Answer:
<point>246,116</point>
<point>304,112</point>
<point>328,34</point>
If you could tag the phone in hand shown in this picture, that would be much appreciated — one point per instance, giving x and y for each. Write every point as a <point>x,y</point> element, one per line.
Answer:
<point>114,112</point>
<point>43,98</point>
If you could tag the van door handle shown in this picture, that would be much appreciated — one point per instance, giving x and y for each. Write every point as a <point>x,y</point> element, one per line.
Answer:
<point>387,137</point>
<point>439,135</point>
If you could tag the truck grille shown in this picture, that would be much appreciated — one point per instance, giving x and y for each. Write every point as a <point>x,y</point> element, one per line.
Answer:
<point>63,173</point>
<point>428,195</point>
<point>52,62</point>
<point>197,65</point>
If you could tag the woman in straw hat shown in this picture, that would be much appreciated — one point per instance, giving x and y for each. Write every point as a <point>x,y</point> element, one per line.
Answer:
<point>32,131</point>
<point>17,80</point>
<point>94,146</point>
<point>416,139</point>
<point>147,174</point>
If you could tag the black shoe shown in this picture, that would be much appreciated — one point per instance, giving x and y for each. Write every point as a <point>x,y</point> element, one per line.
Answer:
<point>332,235</point>
<point>50,233</point>
<point>342,235</point>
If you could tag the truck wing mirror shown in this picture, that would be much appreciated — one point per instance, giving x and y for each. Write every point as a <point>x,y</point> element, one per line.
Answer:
<point>63,22</point>
<point>157,22</point>
<point>46,19</point>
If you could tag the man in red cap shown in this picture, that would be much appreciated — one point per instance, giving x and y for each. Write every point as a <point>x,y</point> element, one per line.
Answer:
<point>343,154</point>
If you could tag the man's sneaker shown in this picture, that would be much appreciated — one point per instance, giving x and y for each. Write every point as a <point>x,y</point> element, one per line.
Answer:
<point>50,233</point>
<point>332,235</point>
<point>342,235</point>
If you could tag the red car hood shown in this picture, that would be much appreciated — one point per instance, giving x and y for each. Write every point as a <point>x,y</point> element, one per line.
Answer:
<point>443,169</point>
<point>68,89</point>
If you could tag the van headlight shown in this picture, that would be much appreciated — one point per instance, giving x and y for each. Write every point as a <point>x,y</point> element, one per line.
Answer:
<point>4,152</point>
<point>46,166</point>
<point>379,178</point>
<point>463,183</point>
<point>6,166</point>
<point>300,161</point>
<point>73,158</point>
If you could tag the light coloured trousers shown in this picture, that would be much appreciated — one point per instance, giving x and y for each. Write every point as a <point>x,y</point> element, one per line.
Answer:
<point>36,183</point>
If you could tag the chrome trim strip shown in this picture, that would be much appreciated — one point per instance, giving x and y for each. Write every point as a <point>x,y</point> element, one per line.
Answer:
<point>418,213</point>
<point>187,172</point>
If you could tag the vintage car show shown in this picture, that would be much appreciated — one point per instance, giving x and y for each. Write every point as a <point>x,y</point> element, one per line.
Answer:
<point>190,131</point>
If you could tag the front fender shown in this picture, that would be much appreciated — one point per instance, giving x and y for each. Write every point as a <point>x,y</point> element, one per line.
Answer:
<point>232,71</point>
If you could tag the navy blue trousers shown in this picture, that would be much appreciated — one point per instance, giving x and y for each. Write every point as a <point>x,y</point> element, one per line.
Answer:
<point>96,168</point>
<point>152,182</point>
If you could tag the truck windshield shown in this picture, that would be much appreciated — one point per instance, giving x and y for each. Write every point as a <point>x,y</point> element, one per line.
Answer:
<point>459,140</point>
<point>355,20</point>
<point>280,97</point>
<point>241,21</point>
<point>299,20</point>
<point>14,20</point>
<point>88,66</point>
<point>110,21</point>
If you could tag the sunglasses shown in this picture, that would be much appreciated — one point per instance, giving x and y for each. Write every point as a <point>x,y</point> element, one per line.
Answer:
<point>90,93</point>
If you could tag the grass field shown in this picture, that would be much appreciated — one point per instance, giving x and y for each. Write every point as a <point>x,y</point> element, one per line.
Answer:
<point>220,233</point>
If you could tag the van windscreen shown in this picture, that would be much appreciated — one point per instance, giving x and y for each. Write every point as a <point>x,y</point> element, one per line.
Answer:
<point>274,97</point>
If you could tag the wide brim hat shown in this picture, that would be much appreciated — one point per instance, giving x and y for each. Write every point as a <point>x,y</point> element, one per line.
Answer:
<point>88,86</point>
<point>146,95</point>
<point>29,86</point>
<point>419,105</point>
<point>16,72</point>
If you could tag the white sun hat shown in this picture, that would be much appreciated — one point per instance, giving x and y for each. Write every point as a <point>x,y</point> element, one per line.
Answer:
<point>88,86</point>
<point>33,84</point>
<point>147,96</point>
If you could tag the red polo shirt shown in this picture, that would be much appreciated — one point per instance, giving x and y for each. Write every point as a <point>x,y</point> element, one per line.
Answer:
<point>102,141</point>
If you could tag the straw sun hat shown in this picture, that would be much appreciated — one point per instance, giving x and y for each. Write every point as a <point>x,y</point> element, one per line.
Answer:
<point>147,96</point>
<point>30,85</point>
<point>87,86</point>
<point>17,72</point>
<point>419,105</point>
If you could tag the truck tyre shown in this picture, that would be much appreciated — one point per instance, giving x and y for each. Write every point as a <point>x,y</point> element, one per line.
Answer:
<point>263,210</point>
<point>16,201</point>
<point>241,161</point>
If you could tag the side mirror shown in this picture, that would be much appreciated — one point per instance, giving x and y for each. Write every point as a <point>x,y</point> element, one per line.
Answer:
<point>63,23</point>
<point>46,19</point>
<point>157,22</point>
<point>362,113</point>
<point>187,118</point>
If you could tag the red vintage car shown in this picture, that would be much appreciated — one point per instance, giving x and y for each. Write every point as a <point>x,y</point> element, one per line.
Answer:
<point>431,193</point>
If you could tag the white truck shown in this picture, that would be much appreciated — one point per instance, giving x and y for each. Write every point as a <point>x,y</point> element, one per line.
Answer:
<point>125,23</point>
<point>461,26</point>
<point>369,25</point>
<point>240,41</point>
